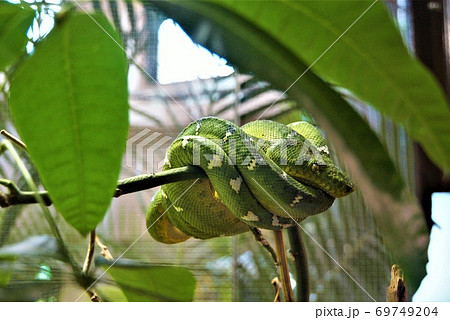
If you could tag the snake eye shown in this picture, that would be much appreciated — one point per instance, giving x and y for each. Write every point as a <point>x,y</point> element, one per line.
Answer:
<point>315,168</point>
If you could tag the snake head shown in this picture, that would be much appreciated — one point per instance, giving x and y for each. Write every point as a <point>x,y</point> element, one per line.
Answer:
<point>329,178</point>
<point>326,177</point>
<point>312,166</point>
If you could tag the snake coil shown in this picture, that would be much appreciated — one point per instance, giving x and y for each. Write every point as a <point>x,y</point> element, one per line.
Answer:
<point>264,174</point>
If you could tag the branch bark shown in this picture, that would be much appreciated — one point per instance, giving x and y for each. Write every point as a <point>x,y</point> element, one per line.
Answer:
<point>125,186</point>
<point>283,267</point>
<point>298,254</point>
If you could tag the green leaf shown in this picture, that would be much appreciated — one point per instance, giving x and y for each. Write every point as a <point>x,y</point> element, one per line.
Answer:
<point>110,293</point>
<point>141,281</point>
<point>244,44</point>
<point>69,104</point>
<point>5,272</point>
<point>14,23</point>
<point>370,60</point>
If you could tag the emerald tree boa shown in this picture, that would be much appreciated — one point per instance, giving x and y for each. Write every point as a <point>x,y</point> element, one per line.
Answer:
<point>264,174</point>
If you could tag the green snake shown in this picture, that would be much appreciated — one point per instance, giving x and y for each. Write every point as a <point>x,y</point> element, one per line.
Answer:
<point>264,174</point>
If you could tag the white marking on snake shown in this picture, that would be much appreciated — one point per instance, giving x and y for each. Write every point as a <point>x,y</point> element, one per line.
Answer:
<point>236,184</point>
<point>179,209</point>
<point>277,223</point>
<point>197,128</point>
<point>250,216</point>
<point>252,165</point>
<point>216,161</point>
<point>296,200</point>
<point>284,175</point>
<point>185,142</point>
<point>167,162</point>
<point>324,149</point>
<point>227,134</point>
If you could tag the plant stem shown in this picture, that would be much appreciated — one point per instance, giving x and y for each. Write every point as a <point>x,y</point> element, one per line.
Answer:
<point>104,249</point>
<point>11,137</point>
<point>396,292</point>
<point>298,253</point>
<point>89,253</point>
<point>266,245</point>
<point>283,267</point>
<point>87,264</point>
<point>277,286</point>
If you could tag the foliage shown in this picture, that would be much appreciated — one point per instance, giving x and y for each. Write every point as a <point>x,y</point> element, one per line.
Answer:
<point>339,29</point>
<point>14,23</point>
<point>358,51</point>
<point>145,282</point>
<point>84,124</point>
<point>76,140</point>
<point>68,97</point>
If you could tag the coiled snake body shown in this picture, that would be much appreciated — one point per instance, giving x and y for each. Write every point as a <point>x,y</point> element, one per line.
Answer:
<point>263,174</point>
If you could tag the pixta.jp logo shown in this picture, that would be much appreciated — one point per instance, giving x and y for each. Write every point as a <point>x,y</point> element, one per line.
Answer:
<point>145,151</point>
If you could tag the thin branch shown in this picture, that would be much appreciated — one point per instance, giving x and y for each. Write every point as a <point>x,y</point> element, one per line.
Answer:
<point>129,185</point>
<point>93,296</point>
<point>396,292</point>
<point>104,249</point>
<point>13,139</point>
<point>17,196</point>
<point>266,245</point>
<point>277,286</point>
<point>147,181</point>
<point>89,253</point>
<point>299,257</point>
<point>283,267</point>
<point>87,264</point>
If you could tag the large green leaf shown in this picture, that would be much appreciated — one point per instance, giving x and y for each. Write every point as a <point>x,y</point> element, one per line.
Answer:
<point>69,104</point>
<point>14,23</point>
<point>370,60</point>
<point>141,281</point>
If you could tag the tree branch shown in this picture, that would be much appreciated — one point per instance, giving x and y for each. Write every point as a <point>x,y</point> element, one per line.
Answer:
<point>125,186</point>
<point>298,254</point>
<point>266,245</point>
<point>283,267</point>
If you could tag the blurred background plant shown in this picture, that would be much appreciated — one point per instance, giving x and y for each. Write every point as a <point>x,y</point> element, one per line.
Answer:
<point>225,269</point>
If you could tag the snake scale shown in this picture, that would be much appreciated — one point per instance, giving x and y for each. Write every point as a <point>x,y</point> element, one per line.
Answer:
<point>264,174</point>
